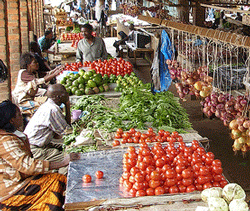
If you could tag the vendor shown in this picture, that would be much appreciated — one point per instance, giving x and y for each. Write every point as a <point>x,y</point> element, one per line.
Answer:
<point>124,37</point>
<point>27,86</point>
<point>90,48</point>
<point>48,125</point>
<point>46,42</point>
<point>26,183</point>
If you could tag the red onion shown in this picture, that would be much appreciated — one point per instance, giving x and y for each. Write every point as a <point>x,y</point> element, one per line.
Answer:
<point>243,102</point>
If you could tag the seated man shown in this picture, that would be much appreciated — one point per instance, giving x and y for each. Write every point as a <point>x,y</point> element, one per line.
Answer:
<point>49,123</point>
<point>45,42</point>
<point>125,37</point>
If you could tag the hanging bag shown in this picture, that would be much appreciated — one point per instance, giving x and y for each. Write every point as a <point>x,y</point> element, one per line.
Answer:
<point>3,72</point>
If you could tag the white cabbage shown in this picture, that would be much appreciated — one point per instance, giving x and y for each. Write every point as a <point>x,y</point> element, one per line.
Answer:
<point>217,204</point>
<point>238,205</point>
<point>211,192</point>
<point>233,191</point>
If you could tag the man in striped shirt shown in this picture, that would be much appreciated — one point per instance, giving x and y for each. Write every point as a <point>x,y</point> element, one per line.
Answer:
<point>48,123</point>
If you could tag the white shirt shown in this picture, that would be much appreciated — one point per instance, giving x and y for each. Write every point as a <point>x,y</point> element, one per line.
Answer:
<point>47,120</point>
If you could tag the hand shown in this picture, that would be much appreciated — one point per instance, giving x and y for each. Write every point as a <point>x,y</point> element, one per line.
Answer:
<point>58,70</point>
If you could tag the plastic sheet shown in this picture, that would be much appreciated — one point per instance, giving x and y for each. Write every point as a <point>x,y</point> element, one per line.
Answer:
<point>109,162</point>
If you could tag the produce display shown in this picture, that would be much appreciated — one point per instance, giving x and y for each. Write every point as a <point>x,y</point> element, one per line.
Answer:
<point>127,81</point>
<point>111,66</point>
<point>170,169</point>
<point>240,132</point>
<point>137,107</point>
<point>231,197</point>
<point>134,136</point>
<point>71,36</point>
<point>225,106</point>
<point>196,83</point>
<point>88,83</point>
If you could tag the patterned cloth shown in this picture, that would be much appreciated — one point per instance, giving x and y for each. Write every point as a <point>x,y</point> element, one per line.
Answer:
<point>43,192</point>
<point>47,120</point>
<point>91,52</point>
<point>17,166</point>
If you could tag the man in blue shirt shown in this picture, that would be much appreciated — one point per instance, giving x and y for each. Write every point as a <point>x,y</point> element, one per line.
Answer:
<point>45,42</point>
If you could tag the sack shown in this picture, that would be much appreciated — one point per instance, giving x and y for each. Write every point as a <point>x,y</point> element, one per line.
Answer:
<point>3,72</point>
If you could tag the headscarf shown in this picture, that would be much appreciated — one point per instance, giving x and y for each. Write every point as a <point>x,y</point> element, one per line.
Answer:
<point>7,112</point>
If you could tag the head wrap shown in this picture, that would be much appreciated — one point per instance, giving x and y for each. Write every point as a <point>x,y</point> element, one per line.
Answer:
<point>7,112</point>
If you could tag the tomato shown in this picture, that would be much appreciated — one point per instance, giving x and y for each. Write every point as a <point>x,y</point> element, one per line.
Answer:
<point>186,182</point>
<point>132,131</point>
<point>138,134</point>
<point>209,160</point>
<point>150,192</point>
<point>154,183</point>
<point>171,182</point>
<point>218,177</point>
<point>116,143</point>
<point>182,188</point>
<point>203,179</point>
<point>159,163</point>
<point>86,178</point>
<point>179,138</point>
<point>118,135</point>
<point>207,185</point>
<point>134,170</point>
<point>175,134</point>
<point>148,159</point>
<point>126,175</point>
<point>139,177</point>
<point>217,169</point>
<point>119,130</point>
<point>216,163</point>
<point>204,171</point>
<point>127,185</point>
<point>145,152</point>
<point>161,133</point>
<point>216,184</point>
<point>199,187</point>
<point>99,174</point>
<point>127,167</point>
<point>159,191</point>
<point>190,188</point>
<point>140,193</point>
<point>142,166</point>
<point>186,173</point>
<point>154,175</point>
<point>165,168</point>
<point>170,173</point>
<point>132,192</point>
<point>150,130</point>
<point>223,183</point>
<point>197,167</point>
<point>174,189</point>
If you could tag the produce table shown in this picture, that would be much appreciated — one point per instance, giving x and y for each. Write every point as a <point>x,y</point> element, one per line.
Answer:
<point>106,192</point>
<point>64,48</point>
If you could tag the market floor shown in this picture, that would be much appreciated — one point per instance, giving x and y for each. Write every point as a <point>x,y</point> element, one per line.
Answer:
<point>236,167</point>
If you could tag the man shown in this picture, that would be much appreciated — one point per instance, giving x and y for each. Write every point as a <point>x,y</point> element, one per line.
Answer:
<point>45,42</point>
<point>90,48</point>
<point>48,123</point>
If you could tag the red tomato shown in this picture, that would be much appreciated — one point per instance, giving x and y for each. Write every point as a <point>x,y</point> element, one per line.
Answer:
<point>187,182</point>
<point>204,171</point>
<point>190,188</point>
<point>217,169</point>
<point>155,175</point>
<point>174,189</point>
<point>154,183</point>
<point>207,185</point>
<point>140,193</point>
<point>99,174</point>
<point>223,183</point>
<point>216,163</point>
<point>161,133</point>
<point>186,173</point>
<point>132,131</point>
<point>132,192</point>
<point>116,143</point>
<point>199,187</point>
<point>159,191</point>
<point>119,130</point>
<point>218,177</point>
<point>142,166</point>
<point>150,192</point>
<point>182,188</point>
<point>170,173</point>
<point>139,177</point>
<point>171,182</point>
<point>159,163</point>
<point>86,178</point>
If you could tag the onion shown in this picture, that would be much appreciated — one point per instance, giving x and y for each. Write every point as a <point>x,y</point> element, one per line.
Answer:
<point>206,109</point>
<point>209,113</point>
<point>190,81</point>
<point>246,124</point>
<point>243,102</point>
<point>204,93</point>
<point>225,122</point>
<point>241,128</point>
<point>235,134</point>
<point>237,146</point>
<point>213,109</point>
<point>220,106</point>
<point>242,140</point>
<point>198,85</point>
<point>237,106</point>
<point>202,103</point>
<point>221,98</point>
<point>217,113</point>
<point>233,125</point>
<point>185,90</point>
<point>240,120</point>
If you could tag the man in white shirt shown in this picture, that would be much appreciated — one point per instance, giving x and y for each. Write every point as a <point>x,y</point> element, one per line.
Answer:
<point>49,123</point>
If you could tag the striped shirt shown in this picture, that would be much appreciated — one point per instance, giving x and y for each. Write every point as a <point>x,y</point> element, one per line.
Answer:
<point>47,120</point>
<point>17,166</point>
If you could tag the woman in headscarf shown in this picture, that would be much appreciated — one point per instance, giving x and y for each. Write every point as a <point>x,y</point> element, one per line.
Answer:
<point>26,183</point>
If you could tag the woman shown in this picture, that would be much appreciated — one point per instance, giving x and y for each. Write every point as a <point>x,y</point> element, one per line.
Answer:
<point>27,87</point>
<point>25,182</point>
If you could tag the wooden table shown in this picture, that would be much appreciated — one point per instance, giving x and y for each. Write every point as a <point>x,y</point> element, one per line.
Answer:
<point>131,47</point>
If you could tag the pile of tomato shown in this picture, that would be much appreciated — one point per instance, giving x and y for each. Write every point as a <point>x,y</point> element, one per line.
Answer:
<point>160,170</point>
<point>110,66</point>
<point>73,66</point>
<point>133,136</point>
